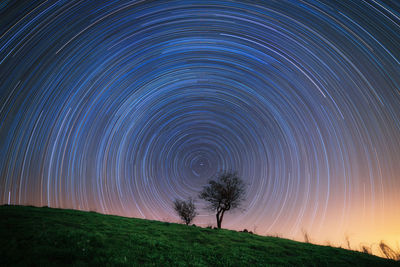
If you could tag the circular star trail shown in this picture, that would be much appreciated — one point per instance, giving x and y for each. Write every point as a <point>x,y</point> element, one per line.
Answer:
<point>123,106</point>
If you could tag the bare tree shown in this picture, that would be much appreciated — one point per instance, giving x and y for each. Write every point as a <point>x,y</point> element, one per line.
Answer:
<point>185,209</point>
<point>225,192</point>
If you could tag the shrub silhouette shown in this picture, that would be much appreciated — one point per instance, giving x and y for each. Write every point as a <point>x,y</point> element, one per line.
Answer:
<point>389,252</point>
<point>366,249</point>
<point>306,236</point>
<point>225,192</point>
<point>185,209</point>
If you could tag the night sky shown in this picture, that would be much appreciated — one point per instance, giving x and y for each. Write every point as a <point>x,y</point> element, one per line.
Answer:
<point>120,107</point>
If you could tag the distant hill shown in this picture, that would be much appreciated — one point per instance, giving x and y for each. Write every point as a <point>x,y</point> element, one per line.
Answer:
<point>55,237</point>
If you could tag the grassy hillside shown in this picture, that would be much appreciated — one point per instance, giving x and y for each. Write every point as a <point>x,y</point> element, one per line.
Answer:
<point>55,237</point>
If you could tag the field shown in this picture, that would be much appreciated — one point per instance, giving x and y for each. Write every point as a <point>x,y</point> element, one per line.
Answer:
<point>33,236</point>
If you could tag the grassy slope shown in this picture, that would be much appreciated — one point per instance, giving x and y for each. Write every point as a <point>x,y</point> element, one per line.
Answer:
<point>44,236</point>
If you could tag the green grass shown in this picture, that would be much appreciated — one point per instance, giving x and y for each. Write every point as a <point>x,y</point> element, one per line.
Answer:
<point>55,237</point>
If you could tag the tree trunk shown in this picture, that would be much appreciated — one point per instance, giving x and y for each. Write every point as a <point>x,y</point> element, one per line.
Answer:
<point>220,216</point>
<point>218,221</point>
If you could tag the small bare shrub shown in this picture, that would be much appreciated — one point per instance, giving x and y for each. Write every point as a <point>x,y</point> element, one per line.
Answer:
<point>185,209</point>
<point>389,252</point>
<point>366,249</point>
<point>347,242</point>
<point>306,236</point>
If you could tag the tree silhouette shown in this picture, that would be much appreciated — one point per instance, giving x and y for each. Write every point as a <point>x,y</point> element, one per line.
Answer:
<point>225,193</point>
<point>185,209</point>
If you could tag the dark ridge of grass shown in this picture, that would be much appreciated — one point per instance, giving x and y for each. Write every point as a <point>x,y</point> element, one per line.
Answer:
<point>33,236</point>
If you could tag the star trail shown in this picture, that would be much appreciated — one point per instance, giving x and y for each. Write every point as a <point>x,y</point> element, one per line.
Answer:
<point>122,106</point>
